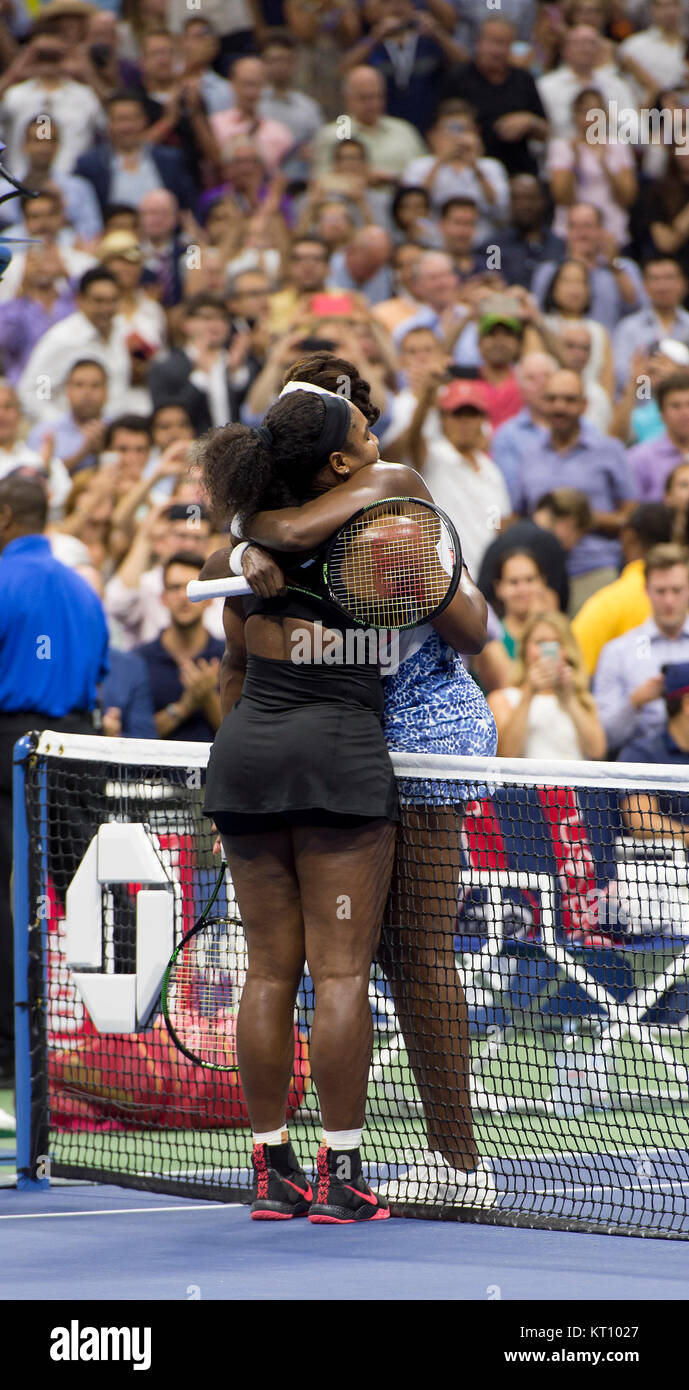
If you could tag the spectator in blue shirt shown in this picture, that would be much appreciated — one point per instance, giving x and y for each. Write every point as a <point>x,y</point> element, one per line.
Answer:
<point>671,743</point>
<point>184,661</point>
<point>124,694</point>
<point>53,653</point>
<point>79,435</point>
<point>617,287</point>
<point>364,265</point>
<point>577,455</point>
<point>663,814</point>
<point>125,698</point>
<point>628,683</point>
<point>514,441</point>
<point>662,317</point>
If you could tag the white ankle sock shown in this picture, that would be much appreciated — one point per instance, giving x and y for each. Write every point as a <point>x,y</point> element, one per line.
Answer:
<point>342,1138</point>
<point>273,1136</point>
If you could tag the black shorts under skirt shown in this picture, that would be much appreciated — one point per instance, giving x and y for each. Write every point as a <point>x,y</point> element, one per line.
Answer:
<point>303,744</point>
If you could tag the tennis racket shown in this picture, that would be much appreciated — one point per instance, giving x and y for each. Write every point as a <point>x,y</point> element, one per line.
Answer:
<point>394,564</point>
<point>202,988</point>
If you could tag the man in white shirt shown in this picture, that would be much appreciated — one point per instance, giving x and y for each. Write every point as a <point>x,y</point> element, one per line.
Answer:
<point>90,332</point>
<point>655,58</point>
<point>42,219</point>
<point>557,90</point>
<point>391,142</point>
<point>462,478</point>
<point>46,92</point>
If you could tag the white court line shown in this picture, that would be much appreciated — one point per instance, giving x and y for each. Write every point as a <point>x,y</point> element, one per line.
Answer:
<point>566,1188</point>
<point>112,1211</point>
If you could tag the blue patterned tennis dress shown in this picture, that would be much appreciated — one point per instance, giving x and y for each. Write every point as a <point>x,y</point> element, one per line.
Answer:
<point>432,705</point>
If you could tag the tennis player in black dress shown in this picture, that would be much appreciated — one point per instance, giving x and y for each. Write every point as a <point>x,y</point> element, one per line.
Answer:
<point>302,790</point>
<point>416,947</point>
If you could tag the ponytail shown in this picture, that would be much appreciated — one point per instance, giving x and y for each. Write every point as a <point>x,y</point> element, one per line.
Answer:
<point>248,470</point>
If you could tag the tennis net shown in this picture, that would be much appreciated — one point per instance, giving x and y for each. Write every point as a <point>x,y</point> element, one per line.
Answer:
<point>555,894</point>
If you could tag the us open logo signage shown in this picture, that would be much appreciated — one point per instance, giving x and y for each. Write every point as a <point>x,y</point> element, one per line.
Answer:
<point>120,854</point>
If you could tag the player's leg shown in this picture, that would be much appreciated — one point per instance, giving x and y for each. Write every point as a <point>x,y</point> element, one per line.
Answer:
<point>344,877</point>
<point>417,955</point>
<point>265,883</point>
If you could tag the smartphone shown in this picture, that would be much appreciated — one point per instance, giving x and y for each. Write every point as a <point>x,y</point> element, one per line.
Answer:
<point>455,373</point>
<point>550,651</point>
<point>331,305</point>
<point>313,344</point>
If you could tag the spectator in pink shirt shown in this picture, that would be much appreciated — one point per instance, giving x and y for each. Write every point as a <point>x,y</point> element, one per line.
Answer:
<point>271,138</point>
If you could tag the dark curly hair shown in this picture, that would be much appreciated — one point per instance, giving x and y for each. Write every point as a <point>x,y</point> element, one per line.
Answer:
<point>326,370</point>
<point>244,475</point>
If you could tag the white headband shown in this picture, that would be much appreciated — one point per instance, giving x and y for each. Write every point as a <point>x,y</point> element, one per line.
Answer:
<point>291,386</point>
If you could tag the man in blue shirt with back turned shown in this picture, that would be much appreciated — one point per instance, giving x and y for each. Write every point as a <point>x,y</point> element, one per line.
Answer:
<point>53,652</point>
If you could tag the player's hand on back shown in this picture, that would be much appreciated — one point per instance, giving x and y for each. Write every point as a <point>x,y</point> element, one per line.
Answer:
<point>262,572</point>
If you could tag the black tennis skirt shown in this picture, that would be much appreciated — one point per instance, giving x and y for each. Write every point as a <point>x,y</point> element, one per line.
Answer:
<point>303,745</point>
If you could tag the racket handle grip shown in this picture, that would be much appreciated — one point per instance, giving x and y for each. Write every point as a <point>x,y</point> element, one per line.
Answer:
<point>199,589</point>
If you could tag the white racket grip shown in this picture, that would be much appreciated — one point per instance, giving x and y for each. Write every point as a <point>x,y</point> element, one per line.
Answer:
<point>200,589</point>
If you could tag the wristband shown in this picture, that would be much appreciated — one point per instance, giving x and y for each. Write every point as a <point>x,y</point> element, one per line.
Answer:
<point>236,558</point>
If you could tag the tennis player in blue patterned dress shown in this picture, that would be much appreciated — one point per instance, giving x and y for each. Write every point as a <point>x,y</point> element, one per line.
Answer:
<point>432,705</point>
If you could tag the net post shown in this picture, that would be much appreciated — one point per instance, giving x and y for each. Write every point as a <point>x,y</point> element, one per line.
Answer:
<point>21,915</point>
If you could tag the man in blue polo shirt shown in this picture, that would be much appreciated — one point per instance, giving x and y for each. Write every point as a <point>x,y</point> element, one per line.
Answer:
<point>53,652</point>
<point>183,663</point>
<point>663,815</point>
<point>575,454</point>
<point>671,744</point>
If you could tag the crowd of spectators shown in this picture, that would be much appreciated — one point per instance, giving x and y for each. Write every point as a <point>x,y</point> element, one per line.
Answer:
<point>486,209</point>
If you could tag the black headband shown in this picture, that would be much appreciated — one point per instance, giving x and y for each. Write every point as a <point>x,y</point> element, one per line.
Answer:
<point>336,425</point>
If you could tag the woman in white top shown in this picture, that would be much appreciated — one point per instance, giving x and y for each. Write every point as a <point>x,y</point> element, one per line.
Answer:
<point>549,712</point>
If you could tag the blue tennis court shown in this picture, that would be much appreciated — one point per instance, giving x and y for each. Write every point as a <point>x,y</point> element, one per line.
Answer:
<point>102,1242</point>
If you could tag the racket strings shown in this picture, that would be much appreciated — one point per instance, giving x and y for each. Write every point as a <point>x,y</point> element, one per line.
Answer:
<point>393,565</point>
<point>203,990</point>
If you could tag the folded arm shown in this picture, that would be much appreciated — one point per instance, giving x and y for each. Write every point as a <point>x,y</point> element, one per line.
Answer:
<point>307,527</point>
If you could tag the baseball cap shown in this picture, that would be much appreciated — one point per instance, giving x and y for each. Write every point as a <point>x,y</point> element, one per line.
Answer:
<point>676,678</point>
<point>122,244</point>
<point>677,351</point>
<point>489,321</point>
<point>66,9</point>
<point>464,393</point>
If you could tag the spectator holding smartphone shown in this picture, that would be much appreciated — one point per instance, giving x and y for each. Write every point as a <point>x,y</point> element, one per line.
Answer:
<point>458,168</point>
<point>549,711</point>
